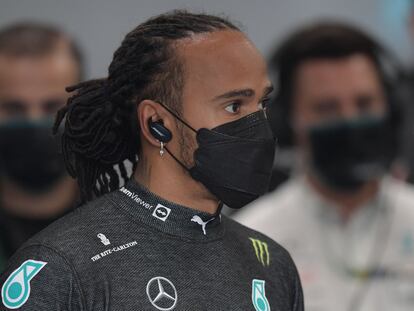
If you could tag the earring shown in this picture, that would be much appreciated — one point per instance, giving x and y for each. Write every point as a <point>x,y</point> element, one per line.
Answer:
<point>161,149</point>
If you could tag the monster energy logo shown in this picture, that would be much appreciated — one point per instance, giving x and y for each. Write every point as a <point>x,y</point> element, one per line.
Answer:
<point>262,251</point>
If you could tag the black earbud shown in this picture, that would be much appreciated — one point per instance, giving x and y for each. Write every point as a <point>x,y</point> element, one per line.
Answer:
<point>159,131</point>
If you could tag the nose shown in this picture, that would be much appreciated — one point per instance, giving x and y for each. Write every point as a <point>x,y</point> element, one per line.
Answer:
<point>254,107</point>
<point>348,109</point>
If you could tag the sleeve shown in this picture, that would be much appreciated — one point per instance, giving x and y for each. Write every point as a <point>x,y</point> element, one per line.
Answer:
<point>286,270</point>
<point>298,301</point>
<point>296,288</point>
<point>38,278</point>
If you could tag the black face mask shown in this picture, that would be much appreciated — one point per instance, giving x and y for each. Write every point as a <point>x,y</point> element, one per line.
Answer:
<point>234,160</point>
<point>347,154</point>
<point>29,155</point>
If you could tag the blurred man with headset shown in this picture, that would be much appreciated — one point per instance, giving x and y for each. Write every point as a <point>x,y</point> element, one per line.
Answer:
<point>347,223</point>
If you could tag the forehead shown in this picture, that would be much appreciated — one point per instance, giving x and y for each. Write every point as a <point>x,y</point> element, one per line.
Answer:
<point>221,60</point>
<point>28,76</point>
<point>355,72</point>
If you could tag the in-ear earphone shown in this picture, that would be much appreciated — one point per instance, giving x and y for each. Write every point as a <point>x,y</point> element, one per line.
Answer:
<point>159,131</point>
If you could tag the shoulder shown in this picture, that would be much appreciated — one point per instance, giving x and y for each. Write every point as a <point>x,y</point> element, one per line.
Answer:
<point>75,236</point>
<point>398,189</point>
<point>250,238</point>
<point>40,278</point>
<point>71,228</point>
<point>264,255</point>
<point>60,256</point>
<point>401,198</point>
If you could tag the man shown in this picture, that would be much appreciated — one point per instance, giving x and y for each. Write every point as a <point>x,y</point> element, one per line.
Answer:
<point>184,93</point>
<point>349,226</point>
<point>37,62</point>
<point>406,90</point>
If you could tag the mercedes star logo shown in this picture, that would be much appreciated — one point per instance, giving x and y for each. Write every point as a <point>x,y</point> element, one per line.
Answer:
<point>162,293</point>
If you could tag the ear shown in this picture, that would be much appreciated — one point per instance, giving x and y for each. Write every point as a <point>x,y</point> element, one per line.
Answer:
<point>151,110</point>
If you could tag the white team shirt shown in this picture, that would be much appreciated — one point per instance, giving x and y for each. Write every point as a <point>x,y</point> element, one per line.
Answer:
<point>334,257</point>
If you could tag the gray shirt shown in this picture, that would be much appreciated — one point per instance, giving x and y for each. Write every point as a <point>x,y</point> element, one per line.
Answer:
<point>131,250</point>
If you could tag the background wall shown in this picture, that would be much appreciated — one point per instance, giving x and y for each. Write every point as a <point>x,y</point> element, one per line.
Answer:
<point>100,25</point>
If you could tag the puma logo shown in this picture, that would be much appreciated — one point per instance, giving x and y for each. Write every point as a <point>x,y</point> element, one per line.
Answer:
<point>203,224</point>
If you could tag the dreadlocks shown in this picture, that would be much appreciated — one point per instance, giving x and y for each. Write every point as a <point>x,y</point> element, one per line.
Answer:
<point>101,127</point>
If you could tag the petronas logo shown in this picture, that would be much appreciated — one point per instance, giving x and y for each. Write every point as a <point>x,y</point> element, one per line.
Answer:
<point>259,298</point>
<point>16,290</point>
<point>262,251</point>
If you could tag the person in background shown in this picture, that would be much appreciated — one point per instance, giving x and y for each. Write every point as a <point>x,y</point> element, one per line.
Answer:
<point>37,62</point>
<point>406,92</point>
<point>348,225</point>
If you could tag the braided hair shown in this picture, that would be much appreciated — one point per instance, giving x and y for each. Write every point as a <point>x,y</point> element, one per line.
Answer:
<point>101,129</point>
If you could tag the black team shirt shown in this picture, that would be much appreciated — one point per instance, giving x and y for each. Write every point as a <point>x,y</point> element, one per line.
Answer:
<point>131,250</point>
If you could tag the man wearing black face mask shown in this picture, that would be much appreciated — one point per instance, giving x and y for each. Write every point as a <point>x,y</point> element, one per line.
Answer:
<point>353,232</point>
<point>185,95</point>
<point>37,62</point>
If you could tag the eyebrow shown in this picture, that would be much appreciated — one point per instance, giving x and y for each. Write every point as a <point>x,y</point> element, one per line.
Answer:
<point>243,93</point>
<point>269,89</point>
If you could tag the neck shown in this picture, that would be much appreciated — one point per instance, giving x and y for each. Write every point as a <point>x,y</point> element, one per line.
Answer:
<point>347,203</point>
<point>53,203</point>
<point>164,177</point>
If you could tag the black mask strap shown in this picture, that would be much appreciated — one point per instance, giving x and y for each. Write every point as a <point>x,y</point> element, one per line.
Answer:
<point>186,124</point>
<point>178,118</point>
<point>176,159</point>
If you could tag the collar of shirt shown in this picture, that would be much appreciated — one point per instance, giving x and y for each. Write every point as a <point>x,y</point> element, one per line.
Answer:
<point>327,211</point>
<point>168,217</point>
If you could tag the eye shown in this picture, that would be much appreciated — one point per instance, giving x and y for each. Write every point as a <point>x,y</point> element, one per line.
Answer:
<point>365,103</point>
<point>51,106</point>
<point>233,108</point>
<point>13,108</point>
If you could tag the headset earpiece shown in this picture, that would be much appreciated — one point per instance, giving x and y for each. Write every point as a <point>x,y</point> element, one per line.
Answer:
<point>159,131</point>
